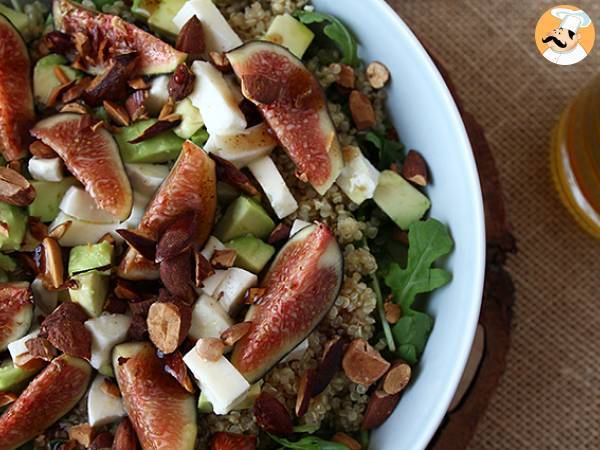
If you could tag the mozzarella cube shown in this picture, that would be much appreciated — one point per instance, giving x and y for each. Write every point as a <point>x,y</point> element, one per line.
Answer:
<point>243,147</point>
<point>230,292</point>
<point>79,204</point>
<point>297,226</point>
<point>80,232</point>
<point>209,319</point>
<point>46,169</point>
<point>146,178</point>
<point>18,348</point>
<point>212,96</point>
<point>297,353</point>
<point>218,34</point>
<point>210,284</point>
<point>211,245</point>
<point>358,178</point>
<point>158,94</point>
<point>45,300</point>
<point>219,380</point>
<point>107,331</point>
<point>272,183</point>
<point>103,409</point>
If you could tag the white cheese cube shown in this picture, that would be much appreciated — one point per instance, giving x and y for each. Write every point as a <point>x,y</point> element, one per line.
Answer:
<point>18,348</point>
<point>358,178</point>
<point>211,245</point>
<point>81,232</point>
<point>46,169</point>
<point>158,94</point>
<point>219,380</point>
<point>209,319</point>
<point>297,225</point>
<point>107,331</point>
<point>45,300</point>
<point>297,352</point>
<point>218,34</point>
<point>212,96</point>
<point>272,183</point>
<point>210,285</point>
<point>230,292</point>
<point>243,147</point>
<point>146,178</point>
<point>103,409</point>
<point>79,204</point>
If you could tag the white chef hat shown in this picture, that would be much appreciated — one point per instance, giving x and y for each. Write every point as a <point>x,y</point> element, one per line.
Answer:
<point>570,19</point>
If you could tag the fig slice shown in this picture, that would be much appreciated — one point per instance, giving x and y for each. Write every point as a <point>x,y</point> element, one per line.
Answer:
<point>53,393</point>
<point>294,105</point>
<point>300,287</point>
<point>16,98</point>
<point>163,413</point>
<point>16,312</point>
<point>115,36</point>
<point>190,187</point>
<point>92,157</point>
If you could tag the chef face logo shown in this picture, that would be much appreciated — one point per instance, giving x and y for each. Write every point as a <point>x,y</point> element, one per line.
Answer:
<point>564,35</point>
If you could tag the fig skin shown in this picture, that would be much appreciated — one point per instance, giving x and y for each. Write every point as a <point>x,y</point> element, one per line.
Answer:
<point>52,394</point>
<point>162,412</point>
<point>300,287</point>
<point>16,311</point>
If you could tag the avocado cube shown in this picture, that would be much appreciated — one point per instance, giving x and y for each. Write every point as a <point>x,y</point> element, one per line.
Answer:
<point>161,19</point>
<point>402,202</point>
<point>252,253</point>
<point>90,256</point>
<point>290,33</point>
<point>204,404</point>
<point>13,377</point>
<point>44,78</point>
<point>15,221</point>
<point>19,20</point>
<point>91,291</point>
<point>163,147</point>
<point>48,197</point>
<point>244,216</point>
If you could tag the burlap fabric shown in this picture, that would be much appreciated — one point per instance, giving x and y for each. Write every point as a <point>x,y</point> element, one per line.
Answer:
<point>549,397</point>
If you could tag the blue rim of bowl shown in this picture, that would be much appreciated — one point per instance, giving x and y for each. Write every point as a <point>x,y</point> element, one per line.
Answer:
<point>454,376</point>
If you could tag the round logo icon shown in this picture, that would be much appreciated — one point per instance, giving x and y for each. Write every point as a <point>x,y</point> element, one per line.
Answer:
<point>565,35</point>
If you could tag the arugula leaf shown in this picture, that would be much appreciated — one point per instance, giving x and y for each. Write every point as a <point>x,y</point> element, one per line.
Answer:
<point>411,333</point>
<point>309,428</point>
<point>336,31</point>
<point>309,443</point>
<point>427,241</point>
<point>388,151</point>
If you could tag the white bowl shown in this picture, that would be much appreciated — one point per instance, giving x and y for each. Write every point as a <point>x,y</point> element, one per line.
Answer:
<point>427,119</point>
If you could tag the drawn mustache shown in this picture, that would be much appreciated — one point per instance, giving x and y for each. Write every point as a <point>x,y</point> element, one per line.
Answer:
<point>555,40</point>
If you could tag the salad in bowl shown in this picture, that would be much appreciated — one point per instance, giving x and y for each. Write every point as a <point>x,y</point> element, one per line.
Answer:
<point>211,233</point>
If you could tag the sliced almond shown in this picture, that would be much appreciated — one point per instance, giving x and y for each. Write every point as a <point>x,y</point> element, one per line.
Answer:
<point>168,325</point>
<point>380,407</point>
<point>66,310</point>
<point>190,39</point>
<point>305,389</point>
<point>83,434</point>
<point>110,388</point>
<point>37,228</point>
<point>253,295</point>
<point>136,105</point>
<point>397,378</point>
<point>140,243</point>
<point>272,416</point>
<point>220,61</point>
<point>392,312</point>
<point>223,259</point>
<point>230,174</point>
<point>235,332</point>
<point>41,150</point>
<point>57,92</point>
<point>154,130</point>
<point>60,75</point>
<point>177,237</point>
<point>362,110</point>
<point>175,367</point>
<point>117,113</point>
<point>138,83</point>
<point>41,348</point>
<point>167,108</point>
<point>414,168</point>
<point>203,269</point>
<point>125,290</point>
<point>125,438</point>
<point>346,77</point>
<point>209,349</point>
<point>15,188</point>
<point>378,75</point>
<point>329,364</point>
<point>348,441</point>
<point>70,337</point>
<point>181,82</point>
<point>176,276</point>
<point>6,398</point>
<point>76,91</point>
<point>363,364</point>
<point>54,269</point>
<point>73,107</point>
<point>60,230</point>
<point>280,233</point>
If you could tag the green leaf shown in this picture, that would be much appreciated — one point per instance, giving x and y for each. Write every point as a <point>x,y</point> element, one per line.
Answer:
<point>427,241</point>
<point>309,443</point>
<point>411,333</point>
<point>200,137</point>
<point>388,151</point>
<point>306,428</point>
<point>336,31</point>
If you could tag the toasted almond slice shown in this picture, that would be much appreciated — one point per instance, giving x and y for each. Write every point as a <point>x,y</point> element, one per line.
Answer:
<point>117,113</point>
<point>235,332</point>
<point>223,259</point>
<point>414,168</point>
<point>175,367</point>
<point>253,295</point>
<point>15,188</point>
<point>138,83</point>
<point>60,230</point>
<point>363,364</point>
<point>210,349</point>
<point>378,75</point>
<point>203,268</point>
<point>41,348</point>
<point>83,434</point>
<point>41,150</point>
<point>305,389</point>
<point>6,398</point>
<point>392,312</point>
<point>54,272</point>
<point>168,325</point>
<point>110,388</point>
<point>73,107</point>
<point>346,77</point>
<point>381,406</point>
<point>397,378</point>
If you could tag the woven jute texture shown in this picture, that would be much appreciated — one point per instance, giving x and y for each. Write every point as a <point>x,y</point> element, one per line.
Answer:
<point>549,397</point>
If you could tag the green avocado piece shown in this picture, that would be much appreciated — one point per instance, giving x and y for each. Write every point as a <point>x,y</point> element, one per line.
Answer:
<point>107,370</point>
<point>161,19</point>
<point>399,199</point>
<point>204,405</point>
<point>90,256</point>
<point>244,216</point>
<point>252,253</point>
<point>91,292</point>
<point>44,79</point>
<point>19,20</point>
<point>16,222</point>
<point>158,149</point>
<point>289,33</point>
<point>200,137</point>
<point>48,197</point>
<point>7,263</point>
<point>13,377</point>
<point>191,119</point>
